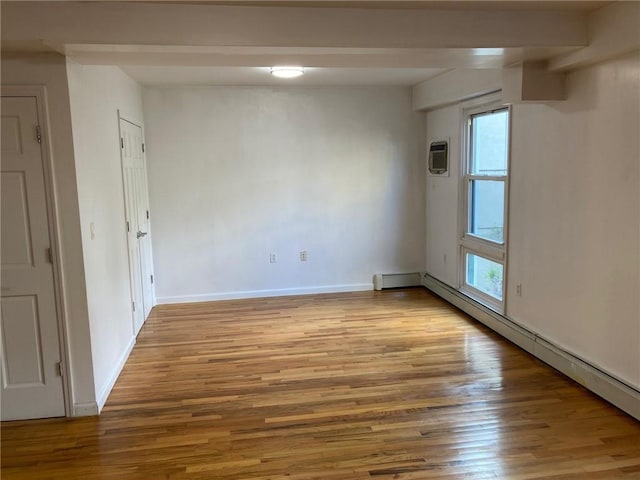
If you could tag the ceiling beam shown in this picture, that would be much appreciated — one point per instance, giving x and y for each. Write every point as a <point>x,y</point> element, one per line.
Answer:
<point>171,55</point>
<point>38,25</point>
<point>613,31</point>
<point>531,82</point>
<point>455,86</point>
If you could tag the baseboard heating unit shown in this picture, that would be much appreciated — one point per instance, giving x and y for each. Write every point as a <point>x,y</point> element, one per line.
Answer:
<point>396,280</point>
<point>624,396</point>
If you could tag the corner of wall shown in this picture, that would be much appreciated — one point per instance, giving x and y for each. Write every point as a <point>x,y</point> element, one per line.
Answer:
<point>103,395</point>
<point>49,70</point>
<point>87,409</point>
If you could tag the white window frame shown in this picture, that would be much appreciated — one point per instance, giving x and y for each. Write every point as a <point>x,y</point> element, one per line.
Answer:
<point>478,295</point>
<point>474,244</point>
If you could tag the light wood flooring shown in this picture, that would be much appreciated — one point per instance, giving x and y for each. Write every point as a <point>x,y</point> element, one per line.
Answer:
<point>370,385</point>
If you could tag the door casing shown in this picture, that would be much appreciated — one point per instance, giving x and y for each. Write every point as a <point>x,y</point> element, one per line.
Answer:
<point>40,94</point>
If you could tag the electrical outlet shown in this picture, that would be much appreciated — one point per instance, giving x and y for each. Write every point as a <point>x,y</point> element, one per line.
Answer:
<point>519,289</point>
<point>303,256</point>
<point>444,258</point>
<point>273,258</point>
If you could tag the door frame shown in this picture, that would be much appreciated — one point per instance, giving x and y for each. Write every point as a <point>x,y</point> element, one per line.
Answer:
<point>40,94</point>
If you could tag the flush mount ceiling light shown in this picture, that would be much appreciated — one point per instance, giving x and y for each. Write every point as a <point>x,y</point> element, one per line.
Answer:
<point>287,72</point>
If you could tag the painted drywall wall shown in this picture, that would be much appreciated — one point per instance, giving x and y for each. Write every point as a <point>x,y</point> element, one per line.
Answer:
<point>442,198</point>
<point>574,219</point>
<point>236,174</point>
<point>97,93</point>
<point>50,70</point>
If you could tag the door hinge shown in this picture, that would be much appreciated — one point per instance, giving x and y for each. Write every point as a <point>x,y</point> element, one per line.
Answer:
<point>133,305</point>
<point>143,148</point>
<point>38,134</point>
<point>147,214</point>
<point>60,369</point>
<point>128,227</point>
<point>49,255</point>
<point>121,142</point>
<point>151,278</point>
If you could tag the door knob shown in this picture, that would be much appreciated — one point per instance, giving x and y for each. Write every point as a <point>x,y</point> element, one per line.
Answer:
<point>140,234</point>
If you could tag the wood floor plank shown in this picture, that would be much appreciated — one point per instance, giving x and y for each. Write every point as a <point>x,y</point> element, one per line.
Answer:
<point>368,385</point>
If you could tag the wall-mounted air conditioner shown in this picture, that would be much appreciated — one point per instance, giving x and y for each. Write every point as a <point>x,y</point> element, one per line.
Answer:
<point>439,158</point>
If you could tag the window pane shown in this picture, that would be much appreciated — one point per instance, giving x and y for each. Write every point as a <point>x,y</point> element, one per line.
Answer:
<point>489,143</point>
<point>487,210</point>
<point>484,275</point>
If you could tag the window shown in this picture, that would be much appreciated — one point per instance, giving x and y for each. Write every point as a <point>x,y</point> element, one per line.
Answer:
<point>484,275</point>
<point>485,177</point>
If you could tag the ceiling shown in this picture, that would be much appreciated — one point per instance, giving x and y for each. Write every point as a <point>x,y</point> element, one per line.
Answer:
<point>175,42</point>
<point>245,76</point>
<point>567,5</point>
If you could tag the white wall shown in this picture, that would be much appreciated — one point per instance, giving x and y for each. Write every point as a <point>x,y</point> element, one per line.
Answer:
<point>97,92</point>
<point>574,216</point>
<point>50,71</point>
<point>442,198</point>
<point>238,173</point>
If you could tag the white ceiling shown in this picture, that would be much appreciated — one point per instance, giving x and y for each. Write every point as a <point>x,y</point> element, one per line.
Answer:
<point>191,42</point>
<point>567,5</point>
<point>244,76</point>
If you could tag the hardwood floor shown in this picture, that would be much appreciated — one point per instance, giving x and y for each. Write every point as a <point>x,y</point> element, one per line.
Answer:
<point>385,385</point>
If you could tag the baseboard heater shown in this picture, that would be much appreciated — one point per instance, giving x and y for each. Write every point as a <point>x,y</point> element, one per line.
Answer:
<point>396,280</point>
<point>602,383</point>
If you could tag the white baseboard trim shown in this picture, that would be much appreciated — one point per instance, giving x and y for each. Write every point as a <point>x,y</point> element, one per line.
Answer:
<point>279,292</point>
<point>87,409</point>
<point>598,380</point>
<point>104,394</point>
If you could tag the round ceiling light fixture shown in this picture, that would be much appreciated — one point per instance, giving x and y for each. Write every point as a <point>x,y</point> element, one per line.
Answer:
<point>287,72</point>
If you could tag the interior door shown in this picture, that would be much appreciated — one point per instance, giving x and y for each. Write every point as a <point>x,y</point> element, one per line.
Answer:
<point>144,226</point>
<point>30,349</point>
<point>138,223</point>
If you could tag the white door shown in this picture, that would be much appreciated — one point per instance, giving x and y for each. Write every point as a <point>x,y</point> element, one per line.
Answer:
<point>137,217</point>
<point>30,349</point>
